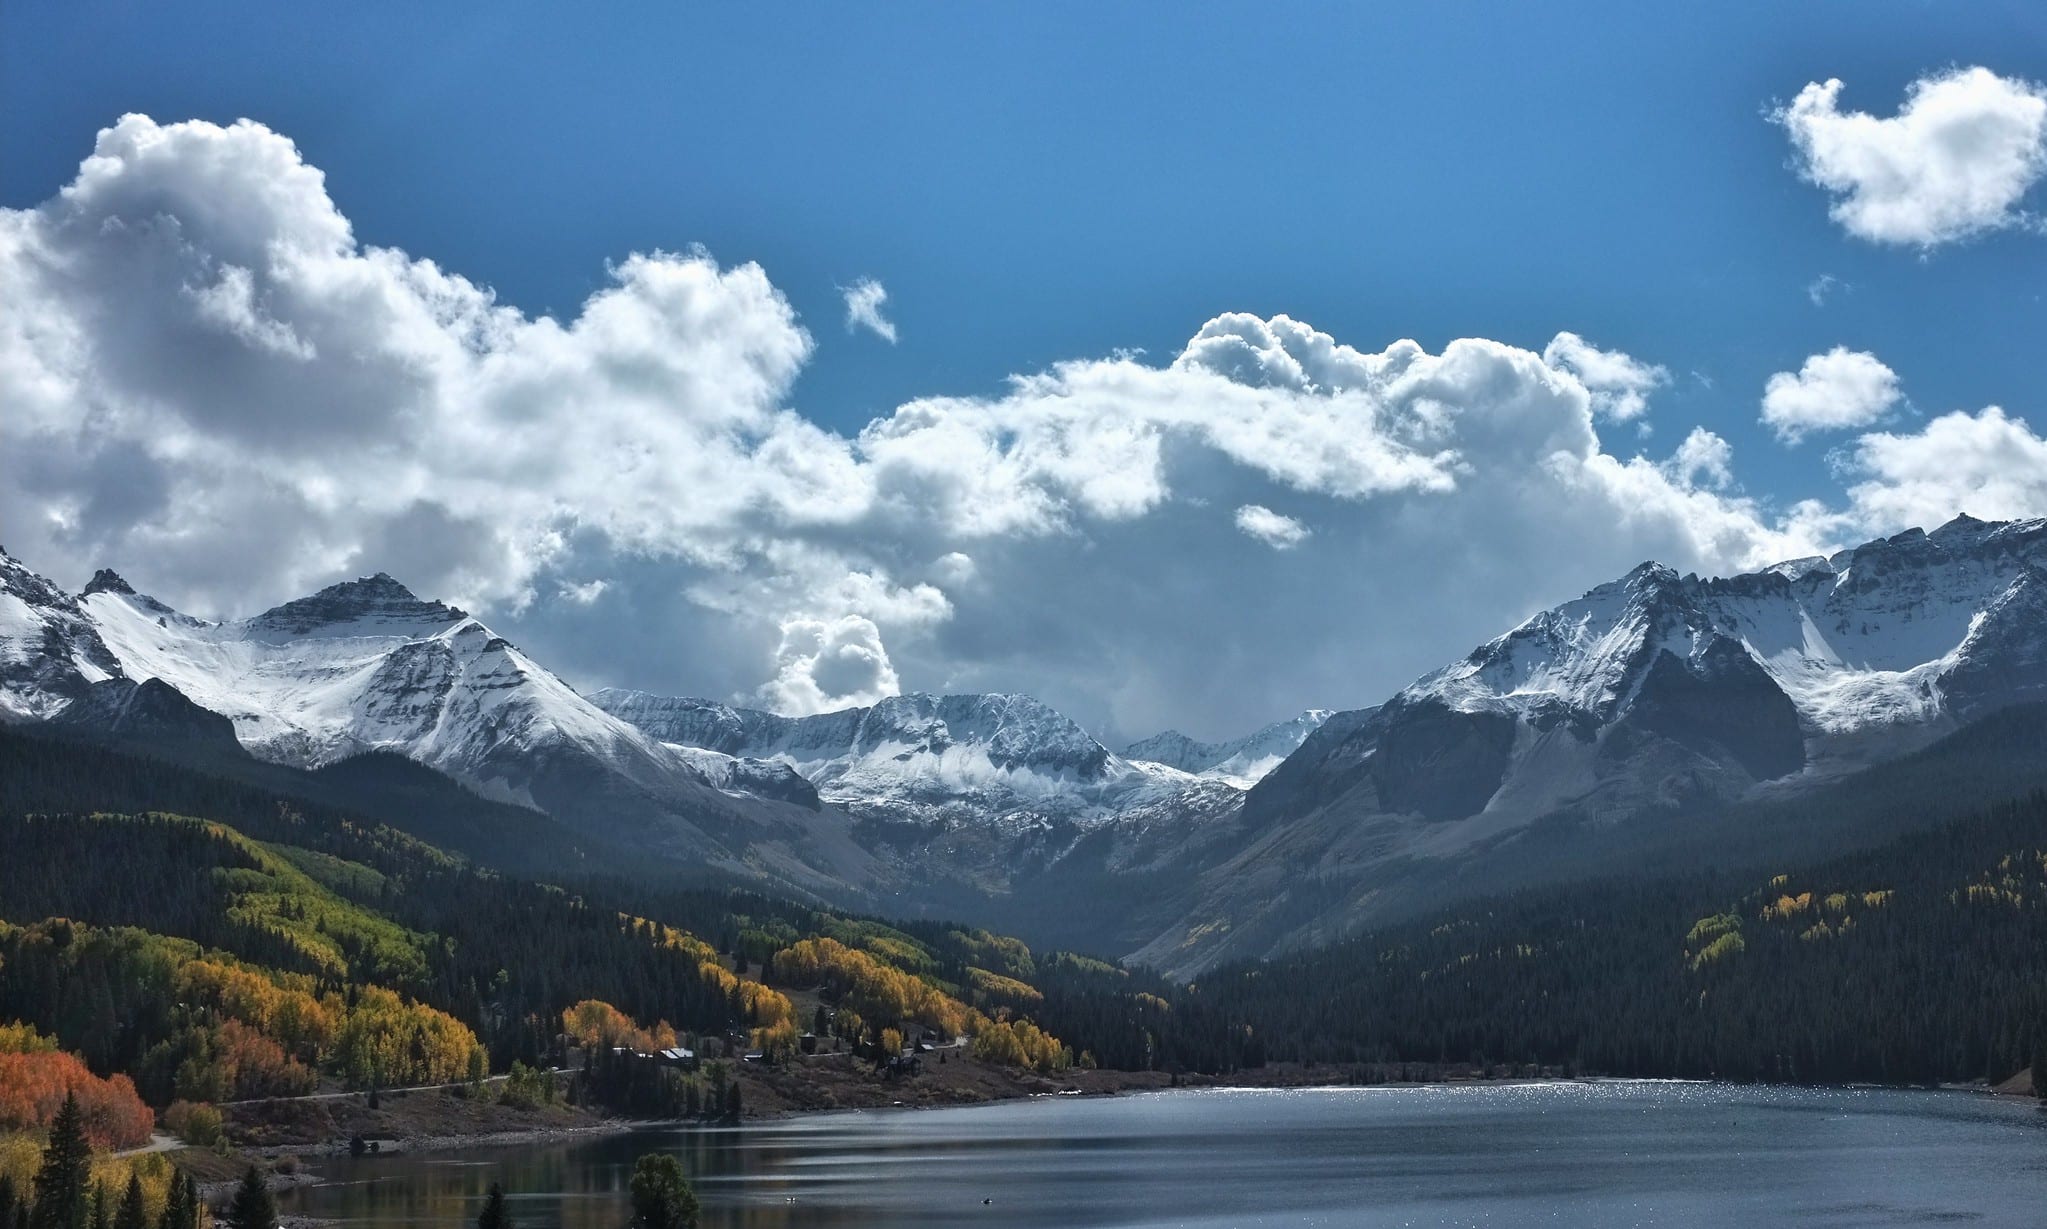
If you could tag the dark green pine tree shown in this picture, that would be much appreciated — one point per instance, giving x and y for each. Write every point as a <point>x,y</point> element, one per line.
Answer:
<point>181,1203</point>
<point>662,1198</point>
<point>252,1207</point>
<point>8,1199</point>
<point>175,1214</point>
<point>495,1214</point>
<point>732,1101</point>
<point>102,1207</point>
<point>61,1199</point>
<point>133,1213</point>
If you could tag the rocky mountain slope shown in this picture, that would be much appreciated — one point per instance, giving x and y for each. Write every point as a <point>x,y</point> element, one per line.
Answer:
<point>366,665</point>
<point>929,803</point>
<point>993,807</point>
<point>1651,699</point>
<point>923,759</point>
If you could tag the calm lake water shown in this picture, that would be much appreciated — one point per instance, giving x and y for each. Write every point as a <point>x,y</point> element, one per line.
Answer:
<point>1603,1154</point>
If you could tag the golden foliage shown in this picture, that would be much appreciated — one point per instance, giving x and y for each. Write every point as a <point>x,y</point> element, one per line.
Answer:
<point>874,990</point>
<point>595,1023</point>
<point>995,985</point>
<point>764,1006</point>
<point>1729,944</point>
<point>389,1041</point>
<point>1018,1043</point>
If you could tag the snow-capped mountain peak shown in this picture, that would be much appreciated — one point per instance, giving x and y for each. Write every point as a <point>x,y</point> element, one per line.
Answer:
<point>1658,690</point>
<point>1239,761</point>
<point>106,580</point>
<point>50,652</point>
<point>372,606</point>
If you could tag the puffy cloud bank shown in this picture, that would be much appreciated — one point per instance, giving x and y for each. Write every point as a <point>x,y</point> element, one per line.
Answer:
<point>214,385</point>
<point>1954,161</point>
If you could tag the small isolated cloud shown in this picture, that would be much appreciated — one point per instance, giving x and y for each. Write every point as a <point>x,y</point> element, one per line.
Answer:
<point>1835,391</point>
<point>954,567</point>
<point>583,594</point>
<point>1618,383</point>
<point>863,309</point>
<point>1275,530</point>
<point>1703,460</point>
<point>823,665</point>
<point>1952,163</point>
<point>1820,287</point>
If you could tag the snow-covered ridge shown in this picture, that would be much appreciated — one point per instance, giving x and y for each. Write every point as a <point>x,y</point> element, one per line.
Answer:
<point>357,666</point>
<point>1239,761</point>
<point>1871,636</point>
<point>50,653</point>
<point>923,757</point>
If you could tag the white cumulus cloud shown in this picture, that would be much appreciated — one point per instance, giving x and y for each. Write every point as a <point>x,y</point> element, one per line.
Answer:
<point>1838,390</point>
<point>1619,384</point>
<point>1955,161</point>
<point>1278,531</point>
<point>1704,459</point>
<point>864,299</point>
<point>823,666</point>
<point>1988,464</point>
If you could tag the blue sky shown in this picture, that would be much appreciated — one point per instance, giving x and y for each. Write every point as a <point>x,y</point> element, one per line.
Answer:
<point>1051,181</point>
<point>1056,182</point>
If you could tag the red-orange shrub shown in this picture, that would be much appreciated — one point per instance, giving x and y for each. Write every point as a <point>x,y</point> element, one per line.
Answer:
<point>32,1090</point>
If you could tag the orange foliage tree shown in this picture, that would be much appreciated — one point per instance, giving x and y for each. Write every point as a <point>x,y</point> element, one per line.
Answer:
<point>34,1083</point>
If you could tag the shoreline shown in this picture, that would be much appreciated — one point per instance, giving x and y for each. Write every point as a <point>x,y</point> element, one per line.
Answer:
<point>781,1096</point>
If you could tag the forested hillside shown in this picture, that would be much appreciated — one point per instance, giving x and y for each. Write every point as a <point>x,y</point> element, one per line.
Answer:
<point>1924,959</point>
<point>266,947</point>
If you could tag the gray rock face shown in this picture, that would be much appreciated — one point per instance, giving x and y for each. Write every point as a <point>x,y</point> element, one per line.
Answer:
<point>355,607</point>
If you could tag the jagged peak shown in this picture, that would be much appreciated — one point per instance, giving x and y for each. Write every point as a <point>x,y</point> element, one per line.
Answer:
<point>106,580</point>
<point>31,586</point>
<point>379,598</point>
<point>380,587</point>
<point>1800,568</point>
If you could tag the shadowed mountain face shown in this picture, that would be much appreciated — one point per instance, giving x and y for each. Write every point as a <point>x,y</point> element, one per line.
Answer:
<point>149,713</point>
<point>1638,708</point>
<point>1597,731</point>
